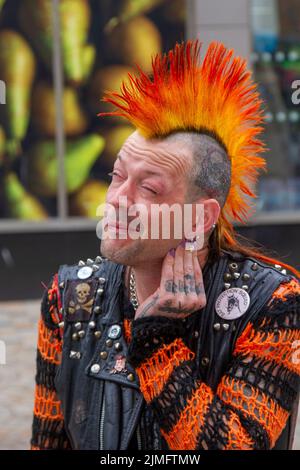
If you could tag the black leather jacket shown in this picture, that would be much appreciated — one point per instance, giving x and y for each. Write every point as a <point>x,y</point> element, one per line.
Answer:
<point>106,410</point>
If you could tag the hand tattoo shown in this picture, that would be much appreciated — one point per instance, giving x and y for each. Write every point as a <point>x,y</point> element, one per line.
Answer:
<point>148,306</point>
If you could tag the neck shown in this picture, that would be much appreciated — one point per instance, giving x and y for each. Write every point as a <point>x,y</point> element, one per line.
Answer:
<point>148,276</point>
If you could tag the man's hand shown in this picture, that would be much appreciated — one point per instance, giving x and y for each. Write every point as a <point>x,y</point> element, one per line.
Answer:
<point>181,291</point>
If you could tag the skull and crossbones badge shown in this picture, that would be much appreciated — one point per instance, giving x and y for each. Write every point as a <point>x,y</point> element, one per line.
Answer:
<point>79,300</point>
<point>232,303</point>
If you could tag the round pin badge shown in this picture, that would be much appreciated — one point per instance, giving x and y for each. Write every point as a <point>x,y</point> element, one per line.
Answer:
<point>85,272</point>
<point>114,332</point>
<point>232,303</point>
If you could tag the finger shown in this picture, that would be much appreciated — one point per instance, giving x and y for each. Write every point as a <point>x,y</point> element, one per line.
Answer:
<point>179,270</point>
<point>189,275</point>
<point>167,273</point>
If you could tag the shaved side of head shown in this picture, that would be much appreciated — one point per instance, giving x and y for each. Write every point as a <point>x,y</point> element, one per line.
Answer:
<point>210,171</point>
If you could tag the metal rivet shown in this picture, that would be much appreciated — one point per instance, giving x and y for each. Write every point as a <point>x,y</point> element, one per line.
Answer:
<point>103,354</point>
<point>217,326</point>
<point>227,277</point>
<point>81,263</point>
<point>75,336</point>
<point>100,291</point>
<point>89,261</point>
<point>283,271</point>
<point>102,280</point>
<point>97,309</point>
<point>95,267</point>
<point>62,284</point>
<point>236,275</point>
<point>98,259</point>
<point>196,334</point>
<point>118,346</point>
<point>61,324</point>
<point>95,368</point>
<point>130,377</point>
<point>245,277</point>
<point>92,325</point>
<point>75,355</point>
<point>245,287</point>
<point>278,266</point>
<point>254,267</point>
<point>77,325</point>
<point>227,285</point>
<point>109,343</point>
<point>233,266</point>
<point>81,334</point>
<point>97,334</point>
<point>225,326</point>
<point>205,361</point>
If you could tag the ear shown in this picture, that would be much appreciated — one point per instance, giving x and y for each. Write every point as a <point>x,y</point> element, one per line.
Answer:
<point>211,212</point>
<point>205,214</point>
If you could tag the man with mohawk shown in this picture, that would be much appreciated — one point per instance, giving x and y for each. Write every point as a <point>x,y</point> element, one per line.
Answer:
<point>171,343</point>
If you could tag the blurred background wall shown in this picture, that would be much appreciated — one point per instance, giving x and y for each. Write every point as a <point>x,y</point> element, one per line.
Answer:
<point>57,58</point>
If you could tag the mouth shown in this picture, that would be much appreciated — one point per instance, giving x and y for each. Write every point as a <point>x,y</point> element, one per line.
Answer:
<point>119,227</point>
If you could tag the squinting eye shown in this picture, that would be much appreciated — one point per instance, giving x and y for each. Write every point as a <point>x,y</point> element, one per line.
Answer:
<point>148,189</point>
<point>113,173</point>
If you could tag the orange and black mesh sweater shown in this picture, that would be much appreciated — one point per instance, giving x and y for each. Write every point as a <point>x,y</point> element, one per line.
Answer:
<point>249,408</point>
<point>252,402</point>
<point>48,425</point>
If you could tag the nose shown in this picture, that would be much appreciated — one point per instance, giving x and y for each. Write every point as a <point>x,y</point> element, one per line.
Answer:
<point>122,196</point>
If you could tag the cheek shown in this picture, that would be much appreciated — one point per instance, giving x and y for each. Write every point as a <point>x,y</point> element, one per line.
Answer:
<point>162,224</point>
<point>142,214</point>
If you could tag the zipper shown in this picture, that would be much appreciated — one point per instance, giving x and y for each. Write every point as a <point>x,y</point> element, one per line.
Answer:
<point>139,437</point>
<point>132,428</point>
<point>101,426</point>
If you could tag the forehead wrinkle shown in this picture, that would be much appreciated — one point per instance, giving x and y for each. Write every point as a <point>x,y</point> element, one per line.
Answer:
<point>165,158</point>
<point>150,172</point>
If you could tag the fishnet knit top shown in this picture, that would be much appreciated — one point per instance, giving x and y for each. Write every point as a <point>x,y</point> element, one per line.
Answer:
<point>249,408</point>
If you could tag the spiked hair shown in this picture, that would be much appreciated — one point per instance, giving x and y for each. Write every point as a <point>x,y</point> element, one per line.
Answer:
<point>215,96</point>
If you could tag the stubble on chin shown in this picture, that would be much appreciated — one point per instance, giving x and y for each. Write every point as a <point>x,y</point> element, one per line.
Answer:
<point>127,255</point>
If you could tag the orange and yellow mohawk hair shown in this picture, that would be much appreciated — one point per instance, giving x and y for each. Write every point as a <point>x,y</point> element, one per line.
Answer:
<point>215,96</point>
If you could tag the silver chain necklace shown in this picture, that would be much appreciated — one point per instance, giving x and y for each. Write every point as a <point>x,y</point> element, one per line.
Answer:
<point>133,294</point>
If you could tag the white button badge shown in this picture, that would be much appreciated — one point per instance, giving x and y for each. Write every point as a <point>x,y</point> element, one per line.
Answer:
<point>85,272</point>
<point>232,303</point>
